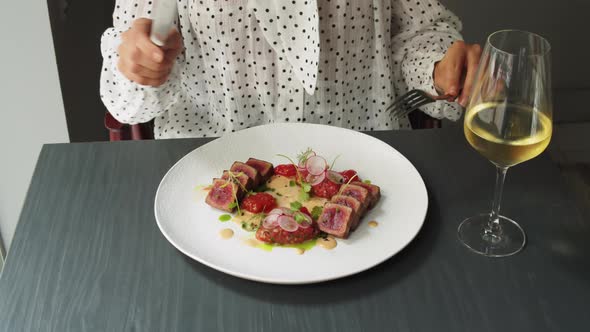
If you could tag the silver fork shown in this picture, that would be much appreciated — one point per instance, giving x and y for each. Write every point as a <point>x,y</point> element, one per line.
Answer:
<point>411,101</point>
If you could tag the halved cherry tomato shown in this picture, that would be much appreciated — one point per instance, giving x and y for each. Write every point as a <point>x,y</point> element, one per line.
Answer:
<point>349,174</point>
<point>326,189</point>
<point>259,202</point>
<point>287,170</point>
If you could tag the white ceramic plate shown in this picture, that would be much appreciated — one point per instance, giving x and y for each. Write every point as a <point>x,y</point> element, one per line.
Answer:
<point>193,227</point>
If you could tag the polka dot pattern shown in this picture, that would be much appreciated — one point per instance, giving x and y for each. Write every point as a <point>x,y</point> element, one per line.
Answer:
<point>251,62</point>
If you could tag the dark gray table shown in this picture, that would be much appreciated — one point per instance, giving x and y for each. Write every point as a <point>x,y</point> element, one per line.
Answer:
<point>87,254</point>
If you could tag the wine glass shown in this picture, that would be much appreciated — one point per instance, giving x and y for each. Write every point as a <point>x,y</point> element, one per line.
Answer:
<point>508,121</point>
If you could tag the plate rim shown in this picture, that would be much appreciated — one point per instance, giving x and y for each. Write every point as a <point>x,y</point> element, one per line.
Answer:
<point>246,276</point>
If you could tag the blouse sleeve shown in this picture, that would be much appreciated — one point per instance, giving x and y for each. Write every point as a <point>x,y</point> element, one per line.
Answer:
<point>422,32</point>
<point>126,100</point>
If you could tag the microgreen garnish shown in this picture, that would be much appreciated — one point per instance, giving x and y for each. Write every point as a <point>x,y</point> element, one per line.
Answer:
<point>304,196</point>
<point>333,162</point>
<point>291,160</point>
<point>233,178</point>
<point>367,181</point>
<point>249,226</point>
<point>299,217</point>
<point>291,183</point>
<point>306,187</point>
<point>347,183</point>
<point>294,164</point>
<point>316,212</point>
<point>303,156</point>
<point>295,206</point>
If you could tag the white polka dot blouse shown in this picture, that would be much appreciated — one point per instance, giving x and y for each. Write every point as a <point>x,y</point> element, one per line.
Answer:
<point>252,62</point>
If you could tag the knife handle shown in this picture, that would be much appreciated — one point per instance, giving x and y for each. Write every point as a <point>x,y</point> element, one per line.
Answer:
<point>165,12</point>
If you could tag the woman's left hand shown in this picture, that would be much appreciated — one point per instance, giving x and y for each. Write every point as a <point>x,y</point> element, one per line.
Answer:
<point>455,73</point>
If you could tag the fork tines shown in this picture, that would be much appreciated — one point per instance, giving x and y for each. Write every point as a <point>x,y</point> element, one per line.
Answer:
<point>409,102</point>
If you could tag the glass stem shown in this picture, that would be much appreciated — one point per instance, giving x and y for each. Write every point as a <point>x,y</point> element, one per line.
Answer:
<point>493,229</point>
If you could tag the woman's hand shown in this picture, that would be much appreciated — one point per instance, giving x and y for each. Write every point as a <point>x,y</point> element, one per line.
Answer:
<point>143,62</point>
<point>456,71</point>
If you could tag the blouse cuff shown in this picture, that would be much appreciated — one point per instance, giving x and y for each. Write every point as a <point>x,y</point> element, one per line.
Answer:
<point>441,108</point>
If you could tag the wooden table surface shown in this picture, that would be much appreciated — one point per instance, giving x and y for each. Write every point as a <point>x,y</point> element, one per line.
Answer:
<point>87,254</point>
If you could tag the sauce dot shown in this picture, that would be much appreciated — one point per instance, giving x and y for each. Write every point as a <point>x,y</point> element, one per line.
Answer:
<point>328,243</point>
<point>373,223</point>
<point>226,233</point>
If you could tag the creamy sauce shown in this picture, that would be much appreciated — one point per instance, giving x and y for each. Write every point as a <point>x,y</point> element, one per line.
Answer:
<point>253,220</point>
<point>328,243</point>
<point>373,223</point>
<point>252,242</point>
<point>286,194</point>
<point>226,233</point>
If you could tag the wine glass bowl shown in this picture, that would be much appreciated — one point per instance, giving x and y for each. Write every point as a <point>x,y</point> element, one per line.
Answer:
<point>508,121</point>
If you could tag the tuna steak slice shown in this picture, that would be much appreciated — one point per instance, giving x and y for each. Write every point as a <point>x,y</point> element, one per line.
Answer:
<point>222,194</point>
<point>351,202</point>
<point>374,192</point>
<point>250,171</point>
<point>244,182</point>
<point>264,168</point>
<point>361,194</point>
<point>336,220</point>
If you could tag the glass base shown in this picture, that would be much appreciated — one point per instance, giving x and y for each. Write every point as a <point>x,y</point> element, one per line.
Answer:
<point>508,241</point>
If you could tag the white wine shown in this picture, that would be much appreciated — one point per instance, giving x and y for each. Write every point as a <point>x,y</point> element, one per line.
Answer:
<point>507,134</point>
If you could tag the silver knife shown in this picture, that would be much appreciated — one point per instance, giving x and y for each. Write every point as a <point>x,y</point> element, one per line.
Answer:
<point>165,12</point>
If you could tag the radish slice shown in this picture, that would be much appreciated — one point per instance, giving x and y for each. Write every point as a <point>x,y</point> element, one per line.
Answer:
<point>286,211</point>
<point>271,221</point>
<point>302,162</point>
<point>335,177</point>
<point>277,212</point>
<point>316,165</point>
<point>288,223</point>
<point>315,179</point>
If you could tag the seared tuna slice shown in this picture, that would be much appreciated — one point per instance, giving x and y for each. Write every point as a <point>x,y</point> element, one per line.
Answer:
<point>351,202</point>
<point>264,168</point>
<point>222,195</point>
<point>374,192</point>
<point>336,220</point>
<point>250,171</point>
<point>361,194</point>
<point>244,182</point>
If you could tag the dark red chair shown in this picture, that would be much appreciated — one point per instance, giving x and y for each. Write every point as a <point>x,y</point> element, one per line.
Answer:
<point>120,132</point>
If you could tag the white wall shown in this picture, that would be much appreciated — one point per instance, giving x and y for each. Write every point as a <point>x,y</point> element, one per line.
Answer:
<point>30,102</point>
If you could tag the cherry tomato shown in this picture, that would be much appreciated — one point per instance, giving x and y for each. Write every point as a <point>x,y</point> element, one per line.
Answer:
<point>259,202</point>
<point>348,174</point>
<point>325,189</point>
<point>287,170</point>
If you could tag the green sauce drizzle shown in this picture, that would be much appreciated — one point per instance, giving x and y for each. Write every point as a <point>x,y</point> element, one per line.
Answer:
<point>224,217</point>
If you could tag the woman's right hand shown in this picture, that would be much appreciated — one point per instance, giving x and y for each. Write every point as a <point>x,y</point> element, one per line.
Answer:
<point>142,61</point>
